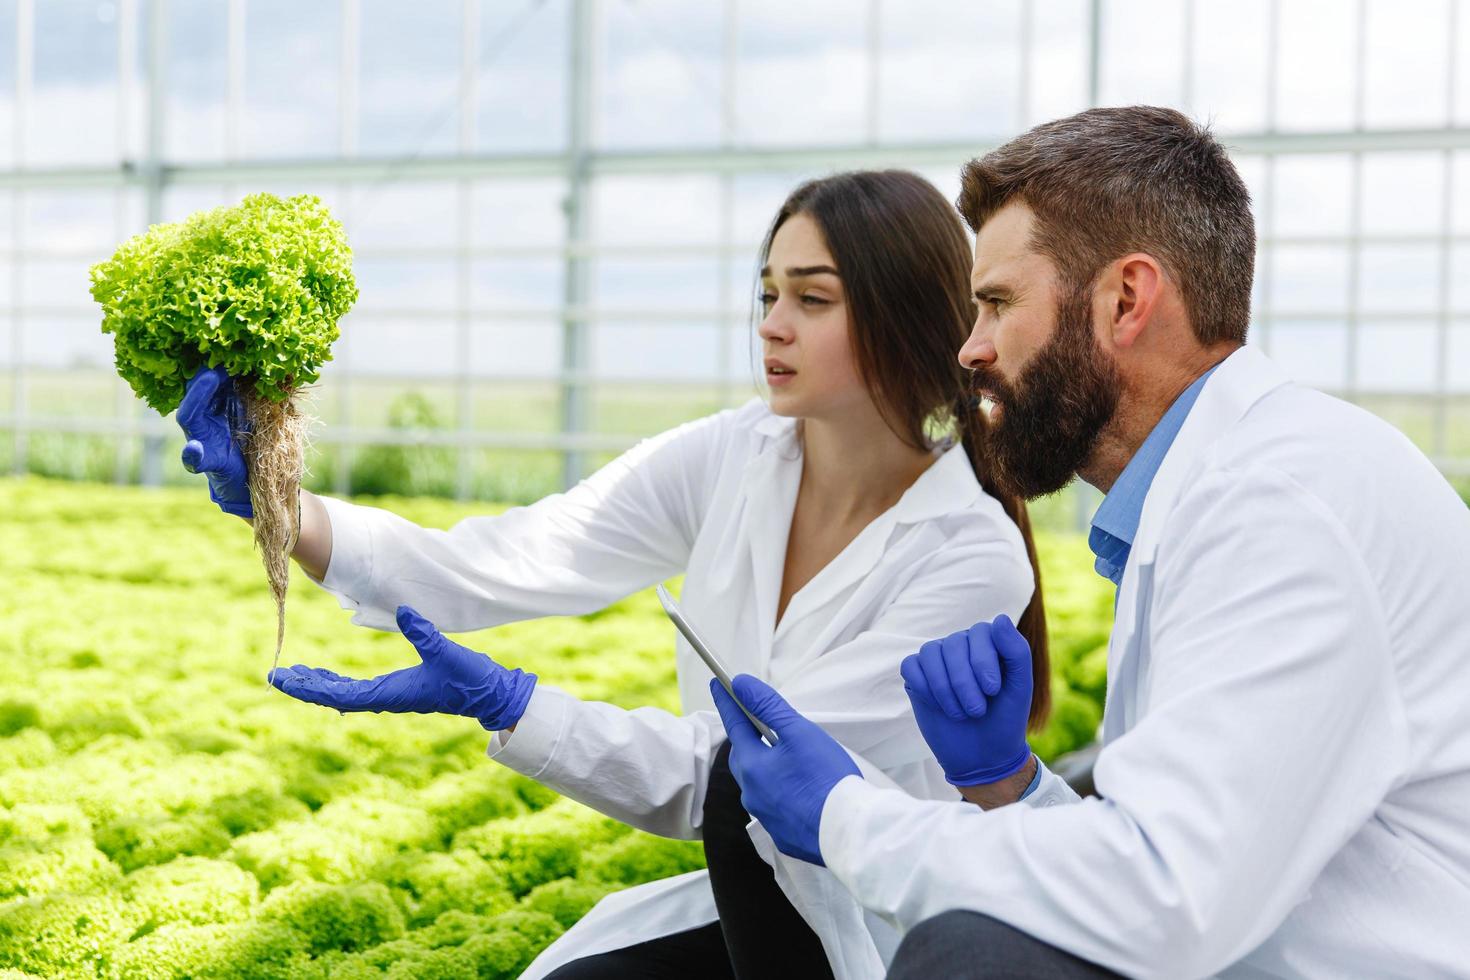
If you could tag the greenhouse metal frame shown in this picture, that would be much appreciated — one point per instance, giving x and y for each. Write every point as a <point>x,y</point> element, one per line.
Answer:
<point>582,161</point>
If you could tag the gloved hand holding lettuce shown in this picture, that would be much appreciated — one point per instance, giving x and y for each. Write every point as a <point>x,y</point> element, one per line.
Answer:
<point>244,301</point>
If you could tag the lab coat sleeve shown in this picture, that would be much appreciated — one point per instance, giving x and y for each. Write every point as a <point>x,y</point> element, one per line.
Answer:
<point>1273,730</point>
<point>649,768</point>
<point>1050,789</point>
<point>854,690</point>
<point>627,526</point>
<point>646,767</point>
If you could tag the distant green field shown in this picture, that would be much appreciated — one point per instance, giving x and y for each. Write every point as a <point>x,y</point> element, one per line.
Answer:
<point>515,476</point>
<point>163,813</point>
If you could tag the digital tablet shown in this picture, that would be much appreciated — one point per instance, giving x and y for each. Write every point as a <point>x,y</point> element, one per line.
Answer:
<point>718,669</point>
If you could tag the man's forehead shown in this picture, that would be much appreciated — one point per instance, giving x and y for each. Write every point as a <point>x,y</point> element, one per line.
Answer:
<point>1003,244</point>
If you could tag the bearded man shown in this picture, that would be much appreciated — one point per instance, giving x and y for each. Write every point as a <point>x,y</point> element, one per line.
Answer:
<point>1285,769</point>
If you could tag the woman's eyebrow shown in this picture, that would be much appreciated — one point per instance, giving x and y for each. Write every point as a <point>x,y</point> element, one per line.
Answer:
<point>798,271</point>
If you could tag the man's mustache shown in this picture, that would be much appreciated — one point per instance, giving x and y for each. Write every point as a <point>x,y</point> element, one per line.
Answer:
<point>984,383</point>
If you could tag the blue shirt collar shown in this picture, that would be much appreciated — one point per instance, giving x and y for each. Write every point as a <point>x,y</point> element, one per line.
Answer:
<point>1115,524</point>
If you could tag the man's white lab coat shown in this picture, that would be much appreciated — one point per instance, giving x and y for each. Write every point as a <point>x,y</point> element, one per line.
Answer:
<point>712,499</point>
<point>1285,780</point>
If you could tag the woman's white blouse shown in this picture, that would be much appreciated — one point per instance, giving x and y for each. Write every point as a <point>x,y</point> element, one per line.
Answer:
<point>713,500</point>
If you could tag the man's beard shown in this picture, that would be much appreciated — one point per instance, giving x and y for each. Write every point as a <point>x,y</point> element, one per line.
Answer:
<point>1052,415</point>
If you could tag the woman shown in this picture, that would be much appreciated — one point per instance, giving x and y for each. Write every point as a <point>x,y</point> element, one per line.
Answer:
<point>823,537</point>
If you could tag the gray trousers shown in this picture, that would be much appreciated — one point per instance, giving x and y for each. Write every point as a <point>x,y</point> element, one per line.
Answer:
<point>960,945</point>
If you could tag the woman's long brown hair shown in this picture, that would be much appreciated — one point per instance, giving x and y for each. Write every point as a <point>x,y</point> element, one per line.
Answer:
<point>905,261</point>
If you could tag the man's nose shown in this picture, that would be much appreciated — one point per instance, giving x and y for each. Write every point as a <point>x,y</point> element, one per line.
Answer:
<point>979,349</point>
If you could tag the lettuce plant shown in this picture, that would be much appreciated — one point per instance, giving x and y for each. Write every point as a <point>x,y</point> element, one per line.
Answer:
<point>256,289</point>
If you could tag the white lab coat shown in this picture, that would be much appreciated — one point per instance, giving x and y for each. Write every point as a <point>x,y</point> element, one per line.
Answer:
<point>712,499</point>
<point>1285,779</point>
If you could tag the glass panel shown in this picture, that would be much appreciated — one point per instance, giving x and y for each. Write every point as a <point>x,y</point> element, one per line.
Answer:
<point>182,200</point>
<point>660,210</point>
<point>1460,278</point>
<point>56,285</point>
<point>1313,353</point>
<point>65,341</point>
<point>292,68</point>
<point>1314,87</point>
<point>523,50</point>
<point>531,348</point>
<point>75,79</point>
<point>816,51</point>
<point>660,82</point>
<point>70,220</point>
<point>933,83</point>
<point>421,345</point>
<point>1393,278</point>
<point>1059,54</point>
<point>1405,80</point>
<point>642,410</point>
<point>198,69</point>
<point>639,351</point>
<point>409,90</point>
<point>656,285</point>
<point>516,284</point>
<point>7,95</point>
<point>403,214</point>
<point>1460,185</point>
<point>1312,195</point>
<point>1458,372</point>
<point>394,284</point>
<point>519,212</point>
<point>1309,278</point>
<point>1229,63</point>
<point>1403,193</point>
<point>1131,26</point>
<point>1396,356</point>
<point>756,199</point>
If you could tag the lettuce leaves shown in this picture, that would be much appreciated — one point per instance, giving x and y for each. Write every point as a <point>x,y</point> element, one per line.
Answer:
<point>256,288</point>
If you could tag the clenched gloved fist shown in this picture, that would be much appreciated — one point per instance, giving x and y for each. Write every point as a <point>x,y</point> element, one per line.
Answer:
<point>971,693</point>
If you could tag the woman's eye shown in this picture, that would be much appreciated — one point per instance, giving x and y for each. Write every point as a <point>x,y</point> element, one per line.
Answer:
<point>814,301</point>
<point>767,298</point>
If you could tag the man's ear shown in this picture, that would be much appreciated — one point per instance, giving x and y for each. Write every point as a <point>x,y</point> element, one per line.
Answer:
<point>1138,283</point>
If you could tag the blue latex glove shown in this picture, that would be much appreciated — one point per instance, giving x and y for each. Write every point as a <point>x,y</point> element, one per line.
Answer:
<point>452,680</point>
<point>211,414</point>
<point>971,693</point>
<point>785,786</point>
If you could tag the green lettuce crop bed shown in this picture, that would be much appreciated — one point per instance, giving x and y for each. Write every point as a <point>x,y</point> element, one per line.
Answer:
<point>164,813</point>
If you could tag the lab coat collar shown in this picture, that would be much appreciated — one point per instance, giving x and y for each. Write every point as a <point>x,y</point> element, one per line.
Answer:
<point>948,485</point>
<point>1241,380</point>
<point>770,483</point>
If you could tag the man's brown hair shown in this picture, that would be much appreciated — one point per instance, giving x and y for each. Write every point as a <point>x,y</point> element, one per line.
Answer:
<point>1107,182</point>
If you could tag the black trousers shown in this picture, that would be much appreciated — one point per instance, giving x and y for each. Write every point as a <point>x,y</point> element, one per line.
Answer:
<point>759,933</point>
<point>962,945</point>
